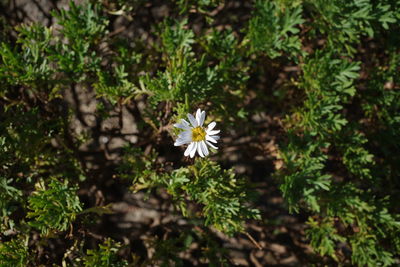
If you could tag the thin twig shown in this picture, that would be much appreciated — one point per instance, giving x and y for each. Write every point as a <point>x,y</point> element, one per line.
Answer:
<point>253,240</point>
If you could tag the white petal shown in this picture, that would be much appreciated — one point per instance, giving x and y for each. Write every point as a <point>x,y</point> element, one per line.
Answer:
<point>182,125</point>
<point>187,133</point>
<point>215,137</point>
<point>185,122</point>
<point>179,125</point>
<point>213,132</point>
<point>209,138</point>
<point>193,151</point>
<point>211,126</point>
<point>188,149</point>
<point>202,117</point>
<point>192,120</point>
<point>204,148</point>
<point>211,145</point>
<point>200,149</point>
<point>198,115</point>
<point>182,140</point>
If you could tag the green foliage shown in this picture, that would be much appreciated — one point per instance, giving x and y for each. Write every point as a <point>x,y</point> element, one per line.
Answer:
<point>334,167</point>
<point>200,5</point>
<point>26,155</point>
<point>220,192</point>
<point>328,84</point>
<point>323,236</point>
<point>333,64</point>
<point>114,86</point>
<point>72,49</point>
<point>142,169</point>
<point>317,130</point>
<point>53,60</point>
<point>191,76</point>
<point>273,29</point>
<point>82,27</point>
<point>54,207</point>
<point>167,250</point>
<point>105,256</point>
<point>221,195</point>
<point>14,253</point>
<point>9,196</point>
<point>30,67</point>
<point>344,22</point>
<point>380,106</point>
<point>184,74</point>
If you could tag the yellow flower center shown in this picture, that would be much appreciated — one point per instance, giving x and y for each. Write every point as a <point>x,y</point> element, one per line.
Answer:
<point>198,134</point>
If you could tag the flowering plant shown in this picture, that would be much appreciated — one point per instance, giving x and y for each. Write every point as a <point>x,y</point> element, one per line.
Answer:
<point>308,96</point>
<point>197,136</point>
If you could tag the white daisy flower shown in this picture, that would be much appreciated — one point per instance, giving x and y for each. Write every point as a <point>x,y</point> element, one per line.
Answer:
<point>197,136</point>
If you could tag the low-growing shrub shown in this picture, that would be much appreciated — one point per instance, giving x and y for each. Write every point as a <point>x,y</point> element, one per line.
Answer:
<point>326,70</point>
